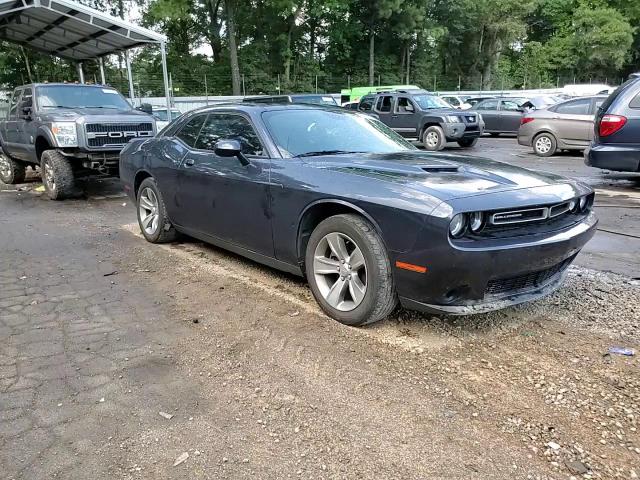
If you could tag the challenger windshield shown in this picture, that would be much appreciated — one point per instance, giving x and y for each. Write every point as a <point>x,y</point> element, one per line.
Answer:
<point>79,96</point>
<point>316,132</point>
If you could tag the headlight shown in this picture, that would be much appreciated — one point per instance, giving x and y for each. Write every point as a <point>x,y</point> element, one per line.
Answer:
<point>457,225</point>
<point>583,203</point>
<point>65,134</point>
<point>573,206</point>
<point>454,119</point>
<point>476,221</point>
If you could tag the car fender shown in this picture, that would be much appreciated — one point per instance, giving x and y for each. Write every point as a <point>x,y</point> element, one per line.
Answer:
<point>428,120</point>
<point>45,131</point>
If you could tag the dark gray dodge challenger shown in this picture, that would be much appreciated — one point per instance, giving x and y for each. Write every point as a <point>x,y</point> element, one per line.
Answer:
<point>368,219</point>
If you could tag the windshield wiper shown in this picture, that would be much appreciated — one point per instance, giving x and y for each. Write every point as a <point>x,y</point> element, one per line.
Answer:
<point>57,106</point>
<point>325,152</point>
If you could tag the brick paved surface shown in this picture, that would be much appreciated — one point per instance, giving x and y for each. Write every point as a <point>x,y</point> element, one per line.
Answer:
<point>82,359</point>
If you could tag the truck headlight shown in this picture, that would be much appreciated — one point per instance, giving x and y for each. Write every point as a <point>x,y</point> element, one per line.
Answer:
<point>454,119</point>
<point>65,134</point>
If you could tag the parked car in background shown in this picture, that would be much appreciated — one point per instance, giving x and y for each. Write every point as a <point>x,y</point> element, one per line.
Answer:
<point>69,130</point>
<point>351,105</point>
<point>162,118</point>
<point>416,114</point>
<point>356,93</point>
<point>457,101</point>
<point>616,143</point>
<point>500,115</point>
<point>564,126</point>
<point>310,98</point>
<point>475,100</point>
<point>366,217</point>
<point>540,102</point>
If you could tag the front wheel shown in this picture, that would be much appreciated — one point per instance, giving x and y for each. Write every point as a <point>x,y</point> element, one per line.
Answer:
<point>544,145</point>
<point>57,175</point>
<point>433,138</point>
<point>467,142</point>
<point>349,272</point>
<point>11,171</point>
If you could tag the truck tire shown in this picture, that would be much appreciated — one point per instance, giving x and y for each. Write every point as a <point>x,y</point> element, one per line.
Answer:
<point>433,138</point>
<point>11,171</point>
<point>467,142</point>
<point>57,175</point>
<point>353,294</point>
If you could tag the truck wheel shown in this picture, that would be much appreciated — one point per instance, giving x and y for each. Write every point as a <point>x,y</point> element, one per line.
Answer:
<point>349,272</point>
<point>433,138</point>
<point>57,175</point>
<point>467,142</point>
<point>544,145</point>
<point>11,171</point>
<point>152,214</point>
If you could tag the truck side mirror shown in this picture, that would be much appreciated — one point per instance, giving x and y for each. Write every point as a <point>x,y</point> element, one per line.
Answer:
<point>26,112</point>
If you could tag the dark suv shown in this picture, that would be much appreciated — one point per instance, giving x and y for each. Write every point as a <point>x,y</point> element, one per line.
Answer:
<point>616,143</point>
<point>418,114</point>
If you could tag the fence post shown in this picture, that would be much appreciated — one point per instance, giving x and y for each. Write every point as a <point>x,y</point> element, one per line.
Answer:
<point>316,83</point>
<point>379,80</point>
<point>244,92</point>
<point>279,89</point>
<point>349,82</point>
<point>206,90</point>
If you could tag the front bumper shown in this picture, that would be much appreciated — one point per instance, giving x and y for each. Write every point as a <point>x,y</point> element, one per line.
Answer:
<point>614,157</point>
<point>464,281</point>
<point>458,131</point>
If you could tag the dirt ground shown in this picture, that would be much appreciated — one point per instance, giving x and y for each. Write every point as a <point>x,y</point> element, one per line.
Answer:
<point>102,331</point>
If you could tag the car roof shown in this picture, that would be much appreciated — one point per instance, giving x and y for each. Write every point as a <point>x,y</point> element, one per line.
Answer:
<point>62,84</point>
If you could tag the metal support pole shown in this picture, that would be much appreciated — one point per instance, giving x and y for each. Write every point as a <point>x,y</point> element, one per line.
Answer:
<point>206,90</point>
<point>244,91</point>
<point>80,72</point>
<point>279,89</point>
<point>165,76</point>
<point>316,83</point>
<point>129,76</point>
<point>102,77</point>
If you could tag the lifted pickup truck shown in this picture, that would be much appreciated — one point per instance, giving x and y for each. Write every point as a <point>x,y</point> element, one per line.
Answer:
<point>428,118</point>
<point>69,130</point>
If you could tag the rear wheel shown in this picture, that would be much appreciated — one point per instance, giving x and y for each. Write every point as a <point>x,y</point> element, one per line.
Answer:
<point>349,272</point>
<point>57,175</point>
<point>433,138</point>
<point>152,214</point>
<point>544,145</point>
<point>11,171</point>
<point>467,142</point>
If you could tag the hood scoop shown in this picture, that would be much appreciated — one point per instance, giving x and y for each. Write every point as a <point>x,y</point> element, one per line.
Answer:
<point>440,168</point>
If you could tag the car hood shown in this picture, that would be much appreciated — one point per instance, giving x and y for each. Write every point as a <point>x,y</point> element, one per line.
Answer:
<point>69,115</point>
<point>444,176</point>
<point>441,111</point>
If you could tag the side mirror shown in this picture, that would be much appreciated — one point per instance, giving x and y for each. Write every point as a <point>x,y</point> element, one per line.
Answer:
<point>230,148</point>
<point>26,112</point>
<point>146,108</point>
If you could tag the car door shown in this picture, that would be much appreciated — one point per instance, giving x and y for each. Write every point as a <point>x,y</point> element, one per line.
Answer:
<point>404,118</point>
<point>384,108</point>
<point>11,144</point>
<point>510,114</point>
<point>221,197</point>
<point>25,128</point>
<point>489,111</point>
<point>573,122</point>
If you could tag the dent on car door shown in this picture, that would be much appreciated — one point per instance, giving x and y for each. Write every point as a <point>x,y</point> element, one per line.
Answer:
<point>219,196</point>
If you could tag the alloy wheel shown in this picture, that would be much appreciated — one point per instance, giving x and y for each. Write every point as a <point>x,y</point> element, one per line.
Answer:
<point>148,211</point>
<point>543,144</point>
<point>432,139</point>
<point>5,166</point>
<point>340,271</point>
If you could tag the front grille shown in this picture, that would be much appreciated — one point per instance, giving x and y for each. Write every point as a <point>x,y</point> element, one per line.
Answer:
<point>101,135</point>
<point>527,281</point>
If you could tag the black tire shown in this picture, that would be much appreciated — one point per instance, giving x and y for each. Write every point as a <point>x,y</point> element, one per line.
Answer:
<point>494,134</point>
<point>57,176</point>
<point>467,142</point>
<point>380,296</point>
<point>164,232</point>
<point>433,138</point>
<point>11,171</point>
<point>544,144</point>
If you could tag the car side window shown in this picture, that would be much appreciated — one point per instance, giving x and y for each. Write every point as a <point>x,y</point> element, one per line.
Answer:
<point>452,100</point>
<point>27,99</point>
<point>15,99</point>
<point>598,104</point>
<point>224,126</point>
<point>488,105</point>
<point>404,106</point>
<point>190,131</point>
<point>575,107</point>
<point>384,104</point>
<point>509,106</point>
<point>635,103</point>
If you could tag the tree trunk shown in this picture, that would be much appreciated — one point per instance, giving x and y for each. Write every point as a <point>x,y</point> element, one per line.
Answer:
<point>214,29</point>
<point>408,62</point>
<point>233,46</point>
<point>287,58</point>
<point>26,63</point>
<point>372,45</point>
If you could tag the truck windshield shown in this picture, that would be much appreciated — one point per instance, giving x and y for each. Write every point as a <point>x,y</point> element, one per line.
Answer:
<point>428,102</point>
<point>312,132</point>
<point>79,96</point>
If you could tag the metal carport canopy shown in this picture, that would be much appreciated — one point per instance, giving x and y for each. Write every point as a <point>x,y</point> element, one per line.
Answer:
<point>75,32</point>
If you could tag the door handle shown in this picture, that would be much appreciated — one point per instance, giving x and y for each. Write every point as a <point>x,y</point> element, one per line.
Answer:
<point>189,162</point>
